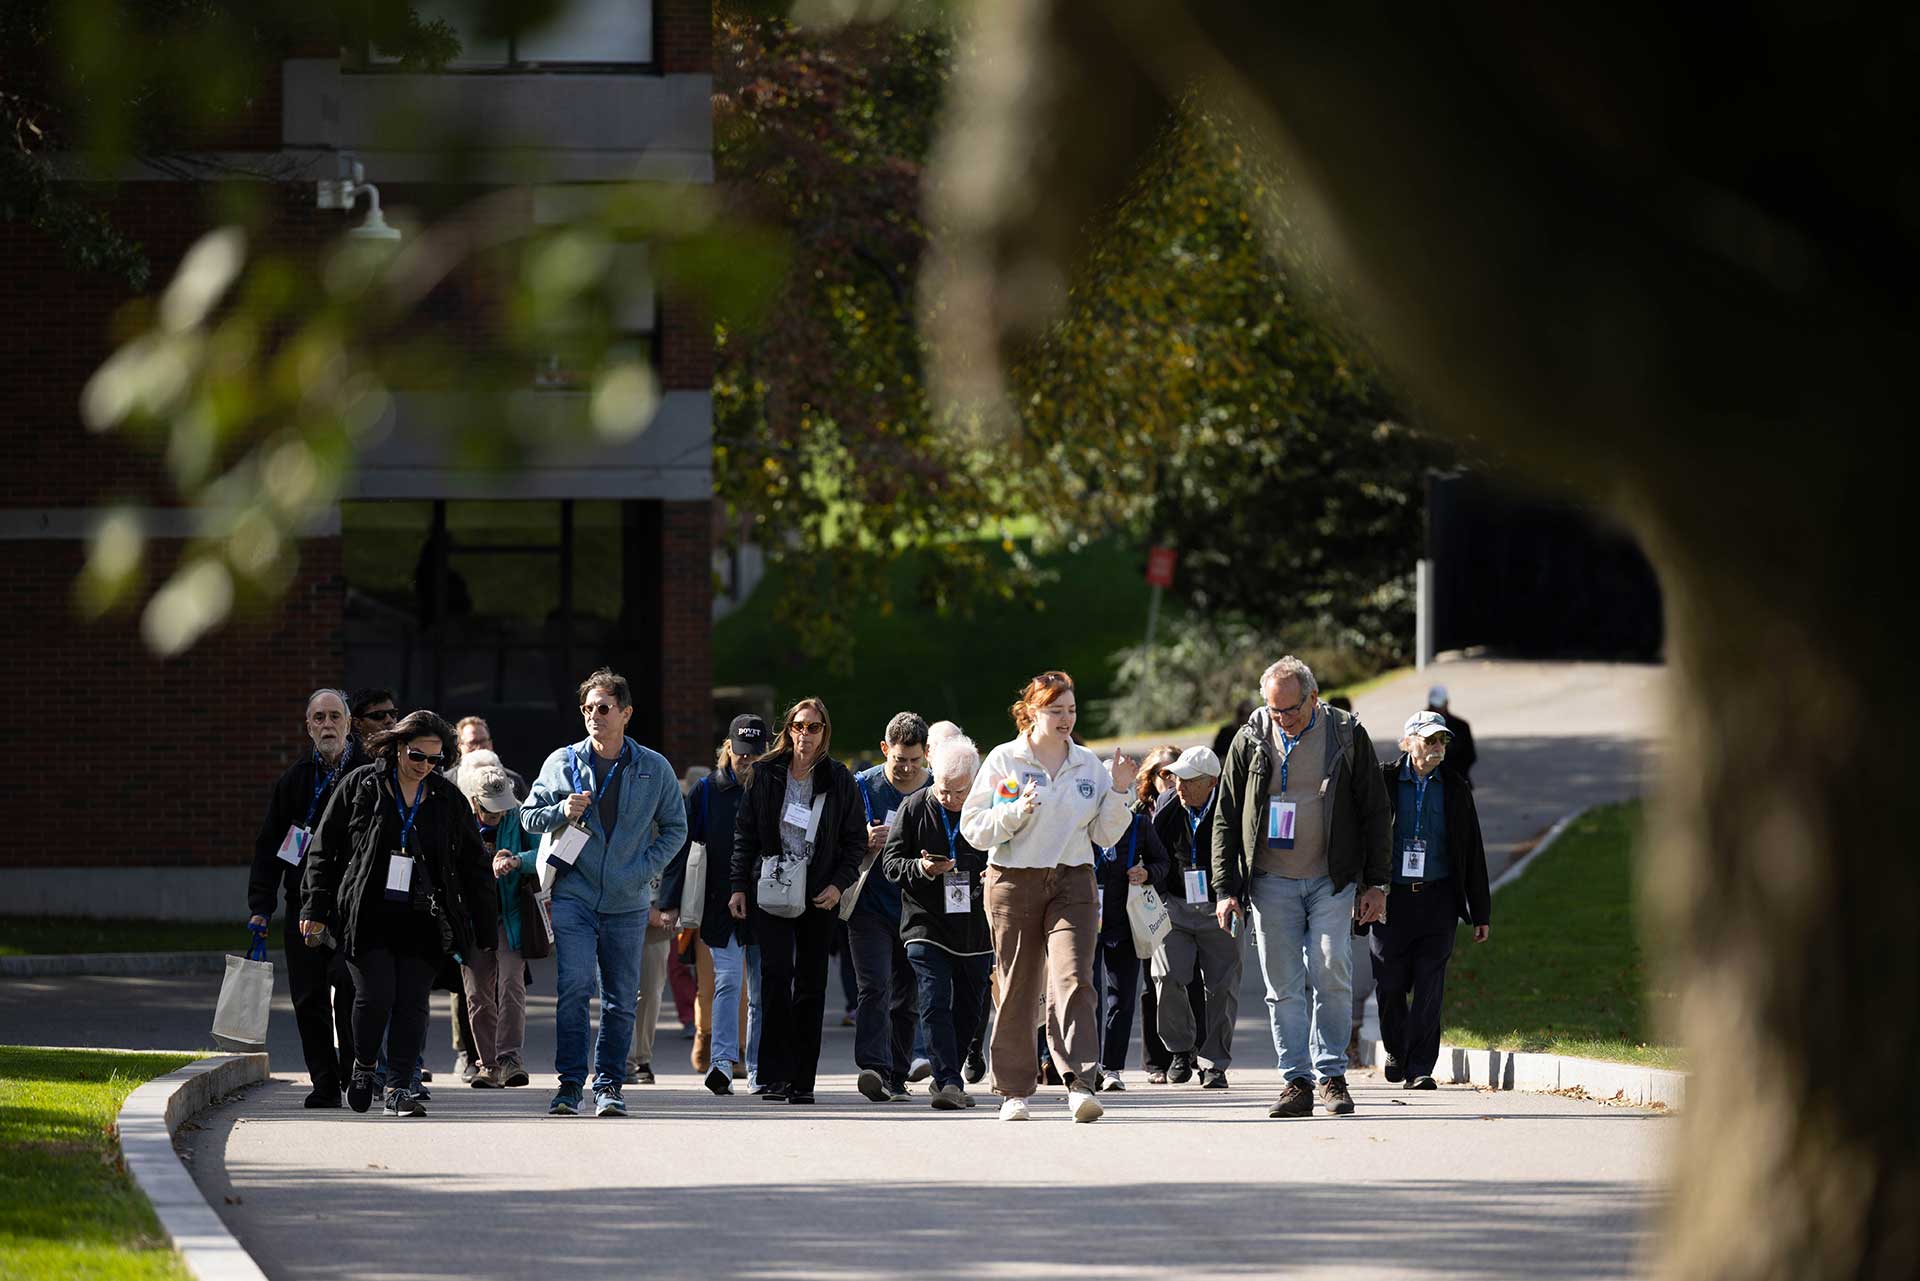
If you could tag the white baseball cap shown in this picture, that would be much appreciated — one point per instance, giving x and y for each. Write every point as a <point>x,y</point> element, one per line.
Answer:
<point>1426,725</point>
<point>1196,762</point>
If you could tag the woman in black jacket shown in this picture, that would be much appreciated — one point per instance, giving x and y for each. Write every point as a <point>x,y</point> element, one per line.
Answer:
<point>943,913</point>
<point>713,810</point>
<point>800,824</point>
<point>398,872</point>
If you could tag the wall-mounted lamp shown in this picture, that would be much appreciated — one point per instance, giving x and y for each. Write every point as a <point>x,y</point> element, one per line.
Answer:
<point>343,191</point>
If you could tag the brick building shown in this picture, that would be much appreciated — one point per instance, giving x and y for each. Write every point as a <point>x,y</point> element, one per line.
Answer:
<point>459,591</point>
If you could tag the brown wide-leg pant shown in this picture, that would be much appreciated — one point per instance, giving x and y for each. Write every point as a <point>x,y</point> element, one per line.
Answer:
<point>1046,927</point>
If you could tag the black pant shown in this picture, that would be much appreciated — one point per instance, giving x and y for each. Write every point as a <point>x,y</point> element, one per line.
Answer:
<point>793,994</point>
<point>1410,952</point>
<point>322,992</point>
<point>391,990</point>
<point>845,949</point>
<point>1116,972</point>
<point>950,990</point>
<point>1154,1051</point>
<point>887,1003</point>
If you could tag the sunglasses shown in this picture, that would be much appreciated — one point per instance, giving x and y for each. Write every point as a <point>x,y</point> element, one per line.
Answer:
<point>415,754</point>
<point>598,709</point>
<point>384,714</point>
<point>806,727</point>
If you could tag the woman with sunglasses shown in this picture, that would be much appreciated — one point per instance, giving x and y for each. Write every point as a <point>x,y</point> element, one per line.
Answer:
<point>801,821</point>
<point>398,872</point>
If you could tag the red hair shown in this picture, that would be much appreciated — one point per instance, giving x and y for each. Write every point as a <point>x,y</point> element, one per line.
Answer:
<point>1042,691</point>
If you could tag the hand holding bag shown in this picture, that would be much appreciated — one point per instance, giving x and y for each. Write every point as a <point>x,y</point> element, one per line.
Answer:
<point>693,893</point>
<point>246,998</point>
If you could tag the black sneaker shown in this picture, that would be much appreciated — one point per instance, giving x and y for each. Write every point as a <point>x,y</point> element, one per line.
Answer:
<point>360,1089</point>
<point>1423,1083</point>
<point>1180,1071</point>
<point>897,1091</point>
<point>404,1103</point>
<point>1295,1101</point>
<point>1334,1096</point>
<point>976,1068</point>
<point>1394,1070</point>
<point>641,1075</point>
<point>719,1080</point>
<point>421,1092</point>
<point>326,1094</point>
<point>800,1096</point>
<point>425,1075</point>
<point>1213,1078</point>
<point>871,1084</point>
<point>775,1093</point>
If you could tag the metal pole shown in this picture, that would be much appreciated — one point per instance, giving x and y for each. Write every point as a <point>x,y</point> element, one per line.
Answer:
<point>1423,613</point>
<point>1153,615</point>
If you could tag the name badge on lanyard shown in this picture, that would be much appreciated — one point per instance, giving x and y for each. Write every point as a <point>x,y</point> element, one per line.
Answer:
<point>400,863</point>
<point>1413,860</point>
<point>1281,816</point>
<point>293,846</point>
<point>959,892</point>
<point>399,878</point>
<point>796,815</point>
<point>1197,887</point>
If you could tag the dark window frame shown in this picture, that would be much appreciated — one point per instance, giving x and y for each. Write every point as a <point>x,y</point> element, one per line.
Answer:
<point>358,61</point>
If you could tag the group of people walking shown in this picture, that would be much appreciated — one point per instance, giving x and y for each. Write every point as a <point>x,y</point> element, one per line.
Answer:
<point>997,910</point>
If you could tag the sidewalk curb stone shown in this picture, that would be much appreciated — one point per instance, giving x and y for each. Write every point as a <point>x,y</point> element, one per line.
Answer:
<point>146,1125</point>
<point>113,964</point>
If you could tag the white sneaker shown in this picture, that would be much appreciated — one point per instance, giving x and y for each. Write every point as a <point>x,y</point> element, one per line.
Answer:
<point>1111,1081</point>
<point>920,1070</point>
<point>1016,1110</point>
<point>1083,1105</point>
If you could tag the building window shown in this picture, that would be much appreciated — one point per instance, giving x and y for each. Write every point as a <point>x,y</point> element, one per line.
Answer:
<point>589,35</point>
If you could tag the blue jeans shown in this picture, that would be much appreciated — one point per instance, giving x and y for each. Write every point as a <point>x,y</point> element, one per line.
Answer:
<point>884,1015</point>
<point>752,951</point>
<point>728,962</point>
<point>1301,932</point>
<point>586,941</point>
<point>949,990</point>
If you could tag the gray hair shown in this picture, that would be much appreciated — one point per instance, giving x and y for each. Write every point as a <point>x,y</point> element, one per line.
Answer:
<point>340,694</point>
<point>953,754</point>
<point>939,730</point>
<point>1292,667</point>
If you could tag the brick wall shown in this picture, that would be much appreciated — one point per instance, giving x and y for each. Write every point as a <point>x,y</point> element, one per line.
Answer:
<point>686,345</point>
<point>685,32</point>
<point>150,762</point>
<point>686,630</point>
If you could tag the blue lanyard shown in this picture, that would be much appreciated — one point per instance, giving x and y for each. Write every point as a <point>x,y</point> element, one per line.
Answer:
<point>864,800</point>
<point>573,776</point>
<point>1420,782</point>
<point>1288,744</point>
<point>1133,842</point>
<point>953,833</point>
<point>1193,828</point>
<point>320,786</point>
<point>407,815</point>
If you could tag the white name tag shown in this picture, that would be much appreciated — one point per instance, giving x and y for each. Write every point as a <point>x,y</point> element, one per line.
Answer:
<point>959,892</point>
<point>888,820</point>
<point>399,876</point>
<point>566,844</point>
<point>795,815</point>
<point>1280,820</point>
<point>1196,887</point>
<point>293,847</point>
<point>1413,860</point>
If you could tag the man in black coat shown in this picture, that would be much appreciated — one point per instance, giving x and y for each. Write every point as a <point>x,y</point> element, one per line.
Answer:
<point>1439,876</point>
<point>1461,753</point>
<point>315,975</point>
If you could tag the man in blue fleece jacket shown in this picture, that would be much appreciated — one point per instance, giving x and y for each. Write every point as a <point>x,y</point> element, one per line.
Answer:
<point>626,798</point>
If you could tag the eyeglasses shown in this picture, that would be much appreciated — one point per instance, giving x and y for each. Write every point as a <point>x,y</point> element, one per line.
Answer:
<point>415,754</point>
<point>806,727</point>
<point>1288,711</point>
<point>384,714</point>
<point>598,709</point>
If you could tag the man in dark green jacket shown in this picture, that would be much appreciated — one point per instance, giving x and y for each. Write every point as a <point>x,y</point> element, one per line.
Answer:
<point>1300,844</point>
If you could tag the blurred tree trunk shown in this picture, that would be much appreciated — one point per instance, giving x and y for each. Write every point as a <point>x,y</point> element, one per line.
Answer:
<point>1667,258</point>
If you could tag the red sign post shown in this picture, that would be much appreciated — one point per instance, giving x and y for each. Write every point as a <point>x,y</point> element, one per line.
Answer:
<point>1160,562</point>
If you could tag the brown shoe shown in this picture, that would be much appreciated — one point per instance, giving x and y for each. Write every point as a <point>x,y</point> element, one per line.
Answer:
<point>1334,1097</point>
<point>1296,1100</point>
<point>702,1051</point>
<point>1353,1050</point>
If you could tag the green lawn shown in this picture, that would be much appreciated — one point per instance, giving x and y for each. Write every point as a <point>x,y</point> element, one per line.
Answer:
<point>54,936</point>
<point>1564,971</point>
<point>965,669</point>
<point>67,1207</point>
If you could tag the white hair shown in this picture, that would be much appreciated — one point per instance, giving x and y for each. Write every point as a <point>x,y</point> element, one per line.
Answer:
<point>1290,667</point>
<point>340,694</point>
<point>940,730</point>
<point>953,755</point>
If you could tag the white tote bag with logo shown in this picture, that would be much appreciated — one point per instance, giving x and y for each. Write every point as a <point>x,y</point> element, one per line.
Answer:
<point>1149,918</point>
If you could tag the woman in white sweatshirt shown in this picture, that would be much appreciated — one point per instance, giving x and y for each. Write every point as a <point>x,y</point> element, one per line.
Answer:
<point>1038,806</point>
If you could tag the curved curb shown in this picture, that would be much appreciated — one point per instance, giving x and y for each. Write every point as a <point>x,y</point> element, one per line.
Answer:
<point>114,964</point>
<point>146,1126</point>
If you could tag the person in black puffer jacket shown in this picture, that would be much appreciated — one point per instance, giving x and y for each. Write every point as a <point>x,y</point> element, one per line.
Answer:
<point>943,913</point>
<point>802,817</point>
<point>398,873</point>
<point>713,810</point>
